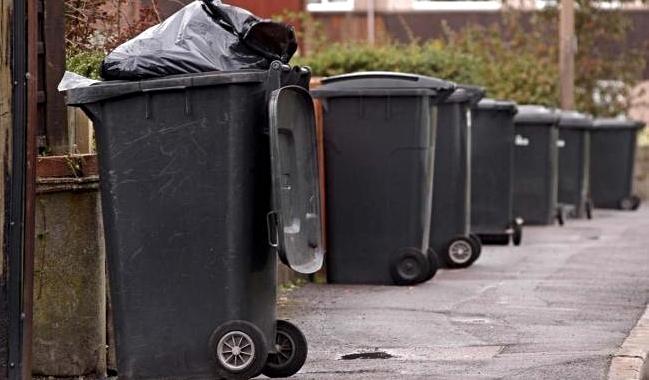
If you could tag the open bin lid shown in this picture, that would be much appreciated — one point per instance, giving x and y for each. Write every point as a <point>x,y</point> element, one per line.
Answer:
<point>465,93</point>
<point>621,122</point>
<point>294,223</point>
<point>532,114</point>
<point>496,104</point>
<point>574,119</point>
<point>383,83</point>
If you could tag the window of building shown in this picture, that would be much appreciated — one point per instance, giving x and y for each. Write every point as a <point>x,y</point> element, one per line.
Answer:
<point>330,5</point>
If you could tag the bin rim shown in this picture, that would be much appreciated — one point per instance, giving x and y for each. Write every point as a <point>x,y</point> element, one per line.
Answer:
<point>617,123</point>
<point>383,83</point>
<point>105,90</point>
<point>575,119</point>
<point>497,104</point>
<point>536,115</point>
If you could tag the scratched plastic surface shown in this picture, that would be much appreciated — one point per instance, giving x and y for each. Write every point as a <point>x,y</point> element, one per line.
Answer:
<point>296,191</point>
<point>185,181</point>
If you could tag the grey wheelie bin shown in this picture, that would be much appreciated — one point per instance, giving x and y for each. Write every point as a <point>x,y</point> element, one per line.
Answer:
<point>574,163</point>
<point>204,178</point>
<point>613,146</point>
<point>492,169</point>
<point>379,142</point>
<point>450,229</point>
<point>536,159</point>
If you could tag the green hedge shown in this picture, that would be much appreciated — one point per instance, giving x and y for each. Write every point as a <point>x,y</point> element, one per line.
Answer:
<point>425,59</point>
<point>516,75</point>
<point>86,63</point>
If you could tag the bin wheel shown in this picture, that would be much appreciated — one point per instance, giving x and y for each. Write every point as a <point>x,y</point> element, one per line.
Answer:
<point>476,242</point>
<point>409,266</point>
<point>291,351</point>
<point>433,264</point>
<point>629,203</point>
<point>589,209</point>
<point>477,247</point>
<point>238,350</point>
<point>517,235</point>
<point>560,217</point>
<point>459,252</point>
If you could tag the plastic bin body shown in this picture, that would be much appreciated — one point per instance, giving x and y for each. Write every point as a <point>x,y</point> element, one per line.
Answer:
<point>536,165</point>
<point>492,167</point>
<point>613,147</point>
<point>185,179</point>
<point>574,162</point>
<point>379,141</point>
<point>451,215</point>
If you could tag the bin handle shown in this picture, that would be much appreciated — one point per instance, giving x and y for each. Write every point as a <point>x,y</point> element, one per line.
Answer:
<point>271,222</point>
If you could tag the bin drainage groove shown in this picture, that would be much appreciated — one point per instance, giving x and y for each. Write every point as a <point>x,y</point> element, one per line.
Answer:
<point>368,355</point>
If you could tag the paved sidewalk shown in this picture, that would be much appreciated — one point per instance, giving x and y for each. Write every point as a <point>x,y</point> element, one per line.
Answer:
<point>558,307</point>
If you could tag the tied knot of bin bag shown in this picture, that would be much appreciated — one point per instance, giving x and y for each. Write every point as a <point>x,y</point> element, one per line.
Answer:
<point>205,35</point>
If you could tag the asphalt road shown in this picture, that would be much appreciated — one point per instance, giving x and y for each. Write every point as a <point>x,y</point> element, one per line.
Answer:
<point>557,307</point>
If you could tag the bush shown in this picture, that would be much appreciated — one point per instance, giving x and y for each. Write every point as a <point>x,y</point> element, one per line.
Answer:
<point>86,63</point>
<point>425,59</point>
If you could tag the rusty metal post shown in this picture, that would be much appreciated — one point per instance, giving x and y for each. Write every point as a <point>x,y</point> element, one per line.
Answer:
<point>6,124</point>
<point>15,182</point>
<point>29,224</point>
<point>19,181</point>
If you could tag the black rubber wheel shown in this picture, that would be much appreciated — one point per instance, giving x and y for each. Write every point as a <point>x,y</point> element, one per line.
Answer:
<point>433,264</point>
<point>517,235</point>
<point>238,350</point>
<point>560,217</point>
<point>291,353</point>
<point>409,266</point>
<point>459,252</point>
<point>477,243</point>
<point>477,247</point>
<point>589,209</point>
<point>636,202</point>
<point>626,204</point>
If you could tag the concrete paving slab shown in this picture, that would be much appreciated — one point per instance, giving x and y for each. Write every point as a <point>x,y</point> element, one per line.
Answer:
<point>559,306</point>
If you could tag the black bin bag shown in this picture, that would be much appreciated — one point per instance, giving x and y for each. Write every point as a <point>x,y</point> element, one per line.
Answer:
<point>205,35</point>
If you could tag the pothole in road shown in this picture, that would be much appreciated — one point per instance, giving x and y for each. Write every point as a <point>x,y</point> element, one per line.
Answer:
<point>367,355</point>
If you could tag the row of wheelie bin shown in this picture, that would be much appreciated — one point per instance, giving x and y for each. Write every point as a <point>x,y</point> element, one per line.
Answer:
<point>420,172</point>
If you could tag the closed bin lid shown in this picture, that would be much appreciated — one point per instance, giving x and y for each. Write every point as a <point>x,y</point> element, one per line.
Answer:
<point>574,119</point>
<point>466,94</point>
<point>533,114</point>
<point>383,83</point>
<point>496,104</point>
<point>611,123</point>
<point>295,221</point>
<point>111,89</point>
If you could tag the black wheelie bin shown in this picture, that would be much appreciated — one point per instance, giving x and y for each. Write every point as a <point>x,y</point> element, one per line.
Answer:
<point>450,230</point>
<point>492,169</point>
<point>613,147</point>
<point>536,158</point>
<point>203,178</point>
<point>379,142</point>
<point>574,163</point>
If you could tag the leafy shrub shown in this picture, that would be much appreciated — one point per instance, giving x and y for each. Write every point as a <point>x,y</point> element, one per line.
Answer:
<point>86,63</point>
<point>424,59</point>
